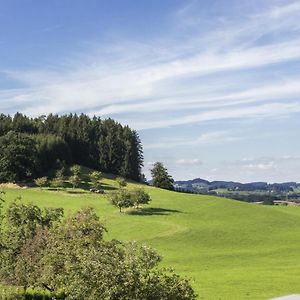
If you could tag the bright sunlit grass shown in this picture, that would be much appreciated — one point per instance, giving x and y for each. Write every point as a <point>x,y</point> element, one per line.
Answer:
<point>230,249</point>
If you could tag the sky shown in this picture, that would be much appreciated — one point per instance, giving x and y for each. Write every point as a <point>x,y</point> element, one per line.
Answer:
<point>212,87</point>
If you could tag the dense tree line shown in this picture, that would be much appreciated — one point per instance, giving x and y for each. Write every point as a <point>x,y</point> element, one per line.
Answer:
<point>69,139</point>
<point>266,198</point>
<point>70,258</point>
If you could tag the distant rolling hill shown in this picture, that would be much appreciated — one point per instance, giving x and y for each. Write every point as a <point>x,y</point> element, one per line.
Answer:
<point>198,185</point>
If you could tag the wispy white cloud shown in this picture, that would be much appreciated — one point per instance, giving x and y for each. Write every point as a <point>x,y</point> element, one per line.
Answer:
<point>130,81</point>
<point>264,111</point>
<point>216,137</point>
<point>206,70</point>
<point>188,161</point>
<point>282,11</point>
<point>280,169</point>
<point>189,100</point>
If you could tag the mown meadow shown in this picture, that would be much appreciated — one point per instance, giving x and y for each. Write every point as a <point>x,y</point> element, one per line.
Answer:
<point>229,249</point>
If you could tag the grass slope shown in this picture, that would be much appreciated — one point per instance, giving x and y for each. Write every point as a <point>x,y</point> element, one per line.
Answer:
<point>230,249</point>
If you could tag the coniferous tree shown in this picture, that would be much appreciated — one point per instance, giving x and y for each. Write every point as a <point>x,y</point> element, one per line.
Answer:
<point>78,139</point>
<point>5,124</point>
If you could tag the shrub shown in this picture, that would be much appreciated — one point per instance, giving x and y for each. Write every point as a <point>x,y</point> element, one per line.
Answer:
<point>41,181</point>
<point>72,259</point>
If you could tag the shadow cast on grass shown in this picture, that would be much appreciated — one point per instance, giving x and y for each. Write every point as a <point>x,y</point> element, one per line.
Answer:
<point>108,188</point>
<point>103,186</point>
<point>78,192</point>
<point>149,211</point>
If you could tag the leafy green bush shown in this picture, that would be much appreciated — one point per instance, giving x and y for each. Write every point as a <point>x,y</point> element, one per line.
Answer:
<point>70,259</point>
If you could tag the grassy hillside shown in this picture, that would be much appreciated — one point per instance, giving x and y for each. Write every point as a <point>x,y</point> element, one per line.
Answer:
<point>230,249</point>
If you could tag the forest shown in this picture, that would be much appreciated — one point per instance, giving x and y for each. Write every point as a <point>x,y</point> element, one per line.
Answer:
<point>31,147</point>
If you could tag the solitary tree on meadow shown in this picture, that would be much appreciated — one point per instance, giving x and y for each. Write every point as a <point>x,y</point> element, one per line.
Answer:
<point>95,178</point>
<point>59,179</point>
<point>76,170</point>
<point>140,196</point>
<point>74,180</point>
<point>161,178</point>
<point>122,199</point>
<point>41,181</point>
<point>121,182</point>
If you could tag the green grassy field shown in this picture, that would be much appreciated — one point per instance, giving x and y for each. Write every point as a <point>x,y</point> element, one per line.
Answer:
<point>229,249</point>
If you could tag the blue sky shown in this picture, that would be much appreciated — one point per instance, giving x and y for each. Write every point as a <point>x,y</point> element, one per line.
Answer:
<point>211,86</point>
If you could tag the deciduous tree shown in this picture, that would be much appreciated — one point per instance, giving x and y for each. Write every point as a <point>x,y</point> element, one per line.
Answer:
<point>41,181</point>
<point>70,257</point>
<point>74,180</point>
<point>140,196</point>
<point>122,199</point>
<point>121,182</point>
<point>95,178</point>
<point>160,177</point>
<point>59,179</point>
<point>17,157</point>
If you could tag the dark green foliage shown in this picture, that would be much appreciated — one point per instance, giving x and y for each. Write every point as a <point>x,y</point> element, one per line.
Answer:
<point>78,139</point>
<point>161,177</point>
<point>21,123</point>
<point>51,149</point>
<point>268,200</point>
<point>70,259</point>
<point>17,157</point>
<point>23,222</point>
<point>5,124</point>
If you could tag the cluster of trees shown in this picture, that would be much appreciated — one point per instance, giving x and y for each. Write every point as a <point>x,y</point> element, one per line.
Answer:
<point>129,198</point>
<point>201,185</point>
<point>266,198</point>
<point>30,147</point>
<point>69,258</point>
<point>75,178</point>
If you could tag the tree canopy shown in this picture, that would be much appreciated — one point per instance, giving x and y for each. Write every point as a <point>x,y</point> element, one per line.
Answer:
<point>17,157</point>
<point>71,259</point>
<point>161,177</point>
<point>103,145</point>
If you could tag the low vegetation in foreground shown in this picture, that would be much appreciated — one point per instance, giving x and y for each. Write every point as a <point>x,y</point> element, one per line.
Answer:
<point>70,259</point>
<point>228,249</point>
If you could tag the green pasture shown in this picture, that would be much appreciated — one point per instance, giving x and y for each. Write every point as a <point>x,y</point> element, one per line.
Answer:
<point>229,249</point>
